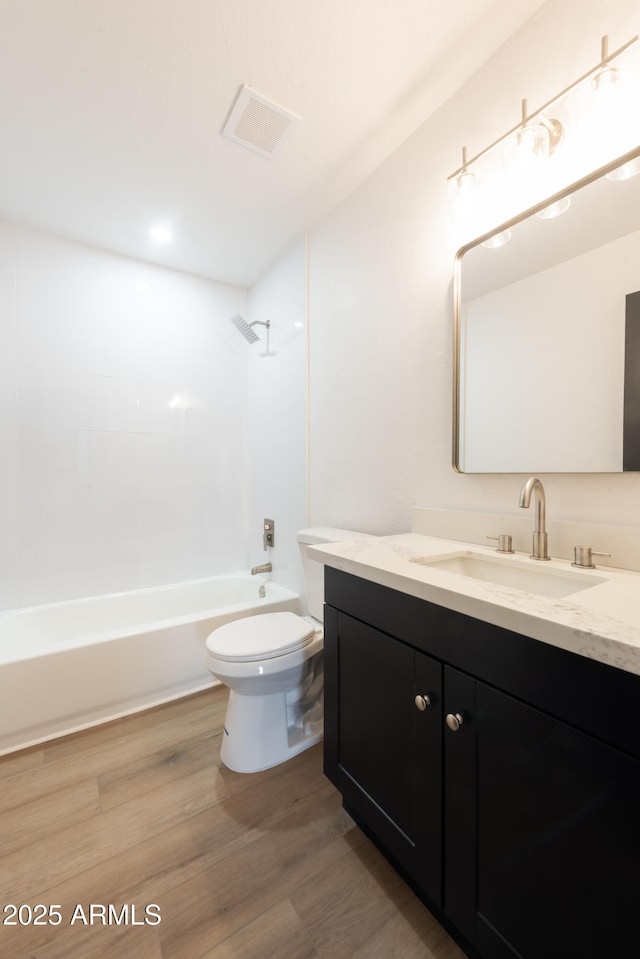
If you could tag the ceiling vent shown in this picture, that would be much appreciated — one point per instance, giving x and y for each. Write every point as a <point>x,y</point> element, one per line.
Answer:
<point>258,123</point>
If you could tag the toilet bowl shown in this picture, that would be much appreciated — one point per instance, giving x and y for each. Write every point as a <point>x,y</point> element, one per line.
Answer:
<point>273,666</point>
<point>273,712</point>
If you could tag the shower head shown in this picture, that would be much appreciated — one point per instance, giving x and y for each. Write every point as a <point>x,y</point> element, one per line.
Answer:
<point>245,328</point>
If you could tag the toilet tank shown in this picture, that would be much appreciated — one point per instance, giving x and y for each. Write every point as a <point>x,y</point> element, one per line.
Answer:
<point>314,571</point>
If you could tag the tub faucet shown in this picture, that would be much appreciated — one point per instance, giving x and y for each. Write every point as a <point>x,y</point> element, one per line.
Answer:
<point>264,568</point>
<point>533,485</point>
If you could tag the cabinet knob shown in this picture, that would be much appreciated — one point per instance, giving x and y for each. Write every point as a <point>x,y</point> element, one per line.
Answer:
<point>454,721</point>
<point>422,702</point>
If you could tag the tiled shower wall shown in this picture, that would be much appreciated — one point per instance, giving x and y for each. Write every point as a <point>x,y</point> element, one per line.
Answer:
<point>277,415</point>
<point>122,423</point>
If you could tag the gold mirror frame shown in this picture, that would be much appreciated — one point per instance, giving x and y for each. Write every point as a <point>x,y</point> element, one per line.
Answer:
<point>457,278</point>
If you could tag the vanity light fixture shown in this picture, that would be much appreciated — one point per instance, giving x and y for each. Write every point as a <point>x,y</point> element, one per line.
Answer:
<point>607,75</point>
<point>462,187</point>
<point>465,180</point>
<point>537,134</point>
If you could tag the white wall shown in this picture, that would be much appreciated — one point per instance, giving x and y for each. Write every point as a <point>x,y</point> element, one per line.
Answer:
<point>381,305</point>
<point>122,415</point>
<point>277,415</point>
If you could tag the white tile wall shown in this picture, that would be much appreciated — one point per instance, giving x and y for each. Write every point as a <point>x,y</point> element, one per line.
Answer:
<point>122,423</point>
<point>277,404</point>
<point>9,580</point>
<point>49,398</point>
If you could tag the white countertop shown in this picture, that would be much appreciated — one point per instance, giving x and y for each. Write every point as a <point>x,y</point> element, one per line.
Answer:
<point>602,622</point>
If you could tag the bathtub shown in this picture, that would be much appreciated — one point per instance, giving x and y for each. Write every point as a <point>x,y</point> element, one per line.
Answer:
<point>66,666</point>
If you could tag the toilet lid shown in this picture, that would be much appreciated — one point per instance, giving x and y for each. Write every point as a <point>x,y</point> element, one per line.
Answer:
<point>260,637</point>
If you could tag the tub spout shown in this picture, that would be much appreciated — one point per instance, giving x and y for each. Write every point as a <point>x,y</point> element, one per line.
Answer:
<point>264,568</point>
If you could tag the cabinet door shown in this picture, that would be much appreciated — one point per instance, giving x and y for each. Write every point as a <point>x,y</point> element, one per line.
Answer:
<point>389,751</point>
<point>558,837</point>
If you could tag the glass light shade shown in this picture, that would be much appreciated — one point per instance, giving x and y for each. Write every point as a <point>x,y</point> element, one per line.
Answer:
<point>604,79</point>
<point>465,183</point>
<point>461,191</point>
<point>533,142</point>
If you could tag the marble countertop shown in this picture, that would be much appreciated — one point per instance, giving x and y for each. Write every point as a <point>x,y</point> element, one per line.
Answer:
<point>602,622</point>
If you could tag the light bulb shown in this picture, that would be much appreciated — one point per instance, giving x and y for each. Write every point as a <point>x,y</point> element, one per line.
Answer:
<point>533,142</point>
<point>604,79</point>
<point>461,191</point>
<point>465,183</point>
<point>607,76</point>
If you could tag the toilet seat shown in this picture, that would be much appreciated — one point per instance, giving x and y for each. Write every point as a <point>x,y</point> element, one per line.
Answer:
<point>260,637</point>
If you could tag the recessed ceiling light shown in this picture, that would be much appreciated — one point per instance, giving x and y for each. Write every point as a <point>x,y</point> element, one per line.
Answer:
<point>161,234</point>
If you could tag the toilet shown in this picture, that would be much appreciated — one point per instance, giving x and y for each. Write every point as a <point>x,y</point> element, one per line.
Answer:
<point>273,665</point>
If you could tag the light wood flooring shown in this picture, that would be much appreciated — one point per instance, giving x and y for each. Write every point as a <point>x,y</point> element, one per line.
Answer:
<point>141,811</point>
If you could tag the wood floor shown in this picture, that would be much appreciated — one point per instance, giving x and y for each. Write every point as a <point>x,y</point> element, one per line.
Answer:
<point>141,812</point>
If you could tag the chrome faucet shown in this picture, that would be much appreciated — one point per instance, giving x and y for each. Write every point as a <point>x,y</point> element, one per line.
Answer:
<point>533,485</point>
<point>264,568</point>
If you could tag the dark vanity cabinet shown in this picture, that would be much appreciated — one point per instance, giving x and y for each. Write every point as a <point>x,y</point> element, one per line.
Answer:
<point>499,774</point>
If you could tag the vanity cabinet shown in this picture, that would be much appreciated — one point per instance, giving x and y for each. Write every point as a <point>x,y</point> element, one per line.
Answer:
<point>511,799</point>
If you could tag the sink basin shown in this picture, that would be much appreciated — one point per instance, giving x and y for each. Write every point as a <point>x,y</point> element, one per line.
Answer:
<point>509,571</point>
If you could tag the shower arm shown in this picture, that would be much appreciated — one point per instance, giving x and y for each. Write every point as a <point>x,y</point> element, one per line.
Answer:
<point>246,329</point>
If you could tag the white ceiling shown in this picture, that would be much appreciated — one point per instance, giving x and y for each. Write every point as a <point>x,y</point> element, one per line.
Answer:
<point>110,113</point>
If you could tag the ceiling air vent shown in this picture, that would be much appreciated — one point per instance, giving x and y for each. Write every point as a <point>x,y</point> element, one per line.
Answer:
<point>258,123</point>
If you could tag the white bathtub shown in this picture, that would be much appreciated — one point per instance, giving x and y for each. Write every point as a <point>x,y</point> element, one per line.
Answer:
<point>69,665</point>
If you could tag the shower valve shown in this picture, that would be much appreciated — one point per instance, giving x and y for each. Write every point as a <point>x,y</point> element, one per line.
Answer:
<point>268,536</point>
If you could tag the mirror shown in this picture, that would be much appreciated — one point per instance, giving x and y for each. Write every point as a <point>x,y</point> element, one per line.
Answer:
<point>547,334</point>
